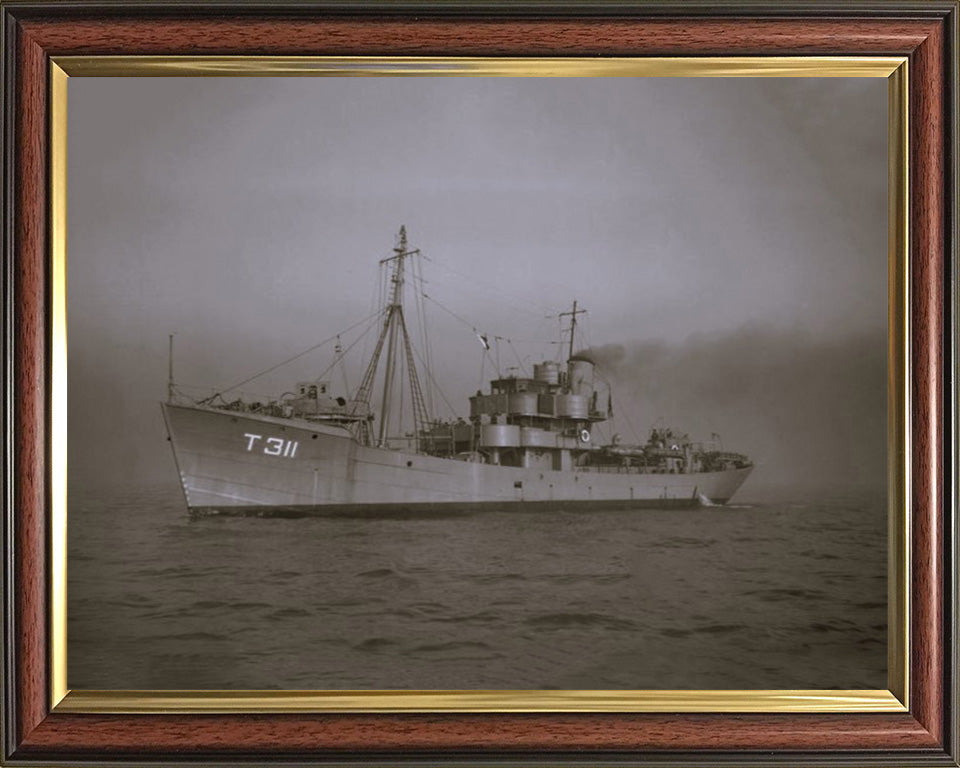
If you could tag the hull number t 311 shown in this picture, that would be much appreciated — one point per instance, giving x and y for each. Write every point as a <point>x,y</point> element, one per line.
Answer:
<point>272,446</point>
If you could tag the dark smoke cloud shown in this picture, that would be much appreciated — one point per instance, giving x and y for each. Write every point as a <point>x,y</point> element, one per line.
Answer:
<point>809,412</point>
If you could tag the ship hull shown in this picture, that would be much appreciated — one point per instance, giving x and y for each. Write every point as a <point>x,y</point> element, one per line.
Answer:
<point>241,463</point>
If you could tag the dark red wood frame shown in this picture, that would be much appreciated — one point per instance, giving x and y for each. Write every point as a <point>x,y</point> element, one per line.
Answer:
<point>925,32</point>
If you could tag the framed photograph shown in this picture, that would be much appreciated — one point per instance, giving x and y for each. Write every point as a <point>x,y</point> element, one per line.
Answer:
<point>529,383</point>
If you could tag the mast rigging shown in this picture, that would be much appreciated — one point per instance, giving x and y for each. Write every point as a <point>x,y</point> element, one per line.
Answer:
<point>394,329</point>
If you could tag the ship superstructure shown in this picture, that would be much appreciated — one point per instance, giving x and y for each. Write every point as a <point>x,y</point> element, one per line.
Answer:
<point>530,441</point>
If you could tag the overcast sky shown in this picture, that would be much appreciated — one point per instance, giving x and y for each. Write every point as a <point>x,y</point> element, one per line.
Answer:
<point>247,216</point>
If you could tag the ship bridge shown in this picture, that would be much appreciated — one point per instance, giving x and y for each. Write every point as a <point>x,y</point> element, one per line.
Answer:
<point>540,421</point>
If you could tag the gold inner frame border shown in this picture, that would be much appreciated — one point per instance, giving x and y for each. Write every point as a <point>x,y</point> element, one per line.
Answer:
<point>894,699</point>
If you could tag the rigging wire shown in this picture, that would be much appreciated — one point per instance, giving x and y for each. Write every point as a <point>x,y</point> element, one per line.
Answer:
<point>429,373</point>
<point>628,416</point>
<point>343,353</point>
<point>496,290</point>
<point>523,368</point>
<point>422,313</point>
<point>477,332</point>
<point>399,384</point>
<point>450,312</point>
<point>376,301</point>
<point>559,342</point>
<point>338,350</point>
<point>289,359</point>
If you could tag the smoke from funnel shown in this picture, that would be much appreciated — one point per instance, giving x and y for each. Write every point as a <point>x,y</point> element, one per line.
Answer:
<point>807,411</point>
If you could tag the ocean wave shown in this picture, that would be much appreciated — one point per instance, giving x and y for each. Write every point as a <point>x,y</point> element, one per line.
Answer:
<point>778,594</point>
<point>289,613</point>
<point>707,629</point>
<point>208,605</point>
<point>573,620</point>
<point>452,645</point>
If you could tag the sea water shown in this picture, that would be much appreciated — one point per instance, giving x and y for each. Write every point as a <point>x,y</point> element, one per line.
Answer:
<point>786,592</point>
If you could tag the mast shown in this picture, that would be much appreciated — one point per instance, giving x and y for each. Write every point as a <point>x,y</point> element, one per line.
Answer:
<point>573,327</point>
<point>573,323</point>
<point>394,312</point>
<point>394,328</point>
<point>170,384</point>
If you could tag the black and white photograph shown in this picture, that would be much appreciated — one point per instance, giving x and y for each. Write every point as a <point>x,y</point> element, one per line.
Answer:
<point>477,383</point>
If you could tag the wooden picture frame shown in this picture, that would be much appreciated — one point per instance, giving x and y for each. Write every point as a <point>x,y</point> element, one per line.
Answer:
<point>39,728</point>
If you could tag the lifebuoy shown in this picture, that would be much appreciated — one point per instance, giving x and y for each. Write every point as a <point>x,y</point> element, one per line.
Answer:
<point>584,435</point>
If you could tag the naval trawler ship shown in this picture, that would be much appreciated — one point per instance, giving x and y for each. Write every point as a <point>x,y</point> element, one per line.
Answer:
<point>529,443</point>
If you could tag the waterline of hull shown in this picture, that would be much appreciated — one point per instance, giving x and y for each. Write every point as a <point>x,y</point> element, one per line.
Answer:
<point>439,510</point>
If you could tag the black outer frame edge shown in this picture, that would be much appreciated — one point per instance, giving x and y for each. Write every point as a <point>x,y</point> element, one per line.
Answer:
<point>12,10</point>
<point>950,473</point>
<point>580,759</point>
<point>952,383</point>
<point>951,426</point>
<point>490,8</point>
<point>7,128</point>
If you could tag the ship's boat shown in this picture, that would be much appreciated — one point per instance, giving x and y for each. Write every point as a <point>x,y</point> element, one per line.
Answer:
<point>529,442</point>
